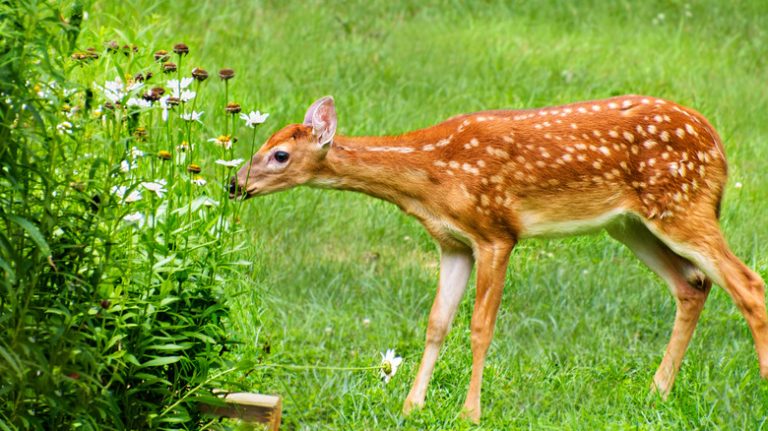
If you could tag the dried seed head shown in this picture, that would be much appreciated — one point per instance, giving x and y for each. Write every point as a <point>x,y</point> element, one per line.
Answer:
<point>128,49</point>
<point>169,67</point>
<point>199,74</point>
<point>226,74</point>
<point>233,108</point>
<point>140,132</point>
<point>161,56</point>
<point>164,155</point>
<point>109,106</point>
<point>112,46</point>
<point>193,168</point>
<point>181,49</point>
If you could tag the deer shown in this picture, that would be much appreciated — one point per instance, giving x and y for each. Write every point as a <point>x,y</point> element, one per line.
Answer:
<point>648,171</point>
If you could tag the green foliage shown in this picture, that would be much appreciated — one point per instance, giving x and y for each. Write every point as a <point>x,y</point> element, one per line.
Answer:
<point>112,260</point>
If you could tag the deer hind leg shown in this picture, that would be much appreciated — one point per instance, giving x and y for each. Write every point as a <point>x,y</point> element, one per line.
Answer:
<point>688,285</point>
<point>700,240</point>
<point>455,267</point>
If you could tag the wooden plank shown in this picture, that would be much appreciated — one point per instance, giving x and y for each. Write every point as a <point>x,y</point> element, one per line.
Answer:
<point>249,407</point>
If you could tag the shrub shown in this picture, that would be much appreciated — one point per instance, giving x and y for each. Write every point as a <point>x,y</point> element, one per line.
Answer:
<point>116,235</point>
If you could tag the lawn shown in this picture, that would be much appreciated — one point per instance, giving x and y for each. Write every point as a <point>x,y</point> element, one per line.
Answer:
<point>341,277</point>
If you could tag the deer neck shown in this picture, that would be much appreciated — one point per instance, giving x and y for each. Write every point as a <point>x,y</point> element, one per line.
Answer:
<point>389,167</point>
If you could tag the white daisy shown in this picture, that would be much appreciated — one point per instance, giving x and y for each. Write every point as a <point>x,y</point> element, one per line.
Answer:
<point>222,141</point>
<point>136,153</point>
<point>389,364</point>
<point>254,118</point>
<point>64,128</point>
<point>192,116</point>
<point>136,218</point>
<point>120,192</point>
<point>157,186</point>
<point>125,166</point>
<point>230,163</point>
<point>199,181</point>
<point>138,102</point>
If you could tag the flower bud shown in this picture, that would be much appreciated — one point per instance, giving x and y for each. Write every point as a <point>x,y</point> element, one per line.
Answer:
<point>161,56</point>
<point>199,74</point>
<point>165,155</point>
<point>226,74</point>
<point>169,67</point>
<point>233,108</point>
<point>181,49</point>
<point>193,168</point>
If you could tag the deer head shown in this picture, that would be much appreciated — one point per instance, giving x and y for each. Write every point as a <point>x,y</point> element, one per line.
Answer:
<point>291,156</point>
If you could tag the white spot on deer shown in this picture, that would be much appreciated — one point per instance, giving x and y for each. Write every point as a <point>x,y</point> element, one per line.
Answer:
<point>664,136</point>
<point>440,163</point>
<point>444,142</point>
<point>650,143</point>
<point>582,110</point>
<point>547,136</point>
<point>540,164</point>
<point>546,124</point>
<point>579,157</point>
<point>508,139</point>
<point>681,170</point>
<point>635,150</point>
<point>463,126</point>
<point>608,176</point>
<point>484,201</point>
<point>496,179</point>
<point>612,105</point>
<point>537,126</point>
<point>645,101</point>
<point>613,134</point>
<point>626,103</point>
<point>702,170</point>
<point>629,137</point>
<point>652,129</point>
<point>480,119</point>
<point>474,142</point>
<point>651,161</point>
<point>658,118</point>
<point>542,113</point>
<point>481,163</point>
<point>554,112</point>
<point>428,147</point>
<point>453,164</point>
<point>519,175</point>
<point>596,108</point>
<point>605,151</point>
<point>520,159</point>
<point>665,155</point>
<point>690,166</point>
<point>680,133</point>
<point>597,165</point>
<point>553,182</point>
<point>574,126</point>
<point>690,129</point>
<point>544,153</point>
<point>597,133</point>
<point>624,165</point>
<point>567,157</point>
<point>496,152</point>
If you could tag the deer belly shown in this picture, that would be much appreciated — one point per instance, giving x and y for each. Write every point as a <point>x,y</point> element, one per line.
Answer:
<point>565,221</point>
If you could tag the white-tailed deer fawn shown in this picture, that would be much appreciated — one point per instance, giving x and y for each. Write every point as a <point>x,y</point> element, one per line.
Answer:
<point>647,170</point>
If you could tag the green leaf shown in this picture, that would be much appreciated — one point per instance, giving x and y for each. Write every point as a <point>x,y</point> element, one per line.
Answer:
<point>33,232</point>
<point>162,360</point>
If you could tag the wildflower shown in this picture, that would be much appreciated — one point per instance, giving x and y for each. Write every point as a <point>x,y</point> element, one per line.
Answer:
<point>140,132</point>
<point>183,147</point>
<point>161,56</point>
<point>175,84</point>
<point>193,168</point>
<point>230,163</point>
<point>199,181</point>
<point>199,74</point>
<point>164,155</point>
<point>64,128</point>
<point>127,49</point>
<point>140,103</point>
<point>233,108</point>
<point>125,166</point>
<point>169,67</point>
<point>181,49</point>
<point>222,141</point>
<point>136,218</point>
<point>192,116</point>
<point>366,321</point>
<point>254,118</point>
<point>738,185</point>
<point>226,74</point>
<point>136,153</point>
<point>113,90</point>
<point>389,365</point>
<point>164,106</point>
<point>120,192</point>
<point>157,186</point>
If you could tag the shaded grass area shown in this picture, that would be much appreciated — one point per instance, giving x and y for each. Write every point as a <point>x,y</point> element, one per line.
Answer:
<point>582,325</point>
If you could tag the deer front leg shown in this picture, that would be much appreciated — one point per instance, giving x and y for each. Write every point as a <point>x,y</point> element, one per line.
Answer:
<point>492,262</point>
<point>455,267</point>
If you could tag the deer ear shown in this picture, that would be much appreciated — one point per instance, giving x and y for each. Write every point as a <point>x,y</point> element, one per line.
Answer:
<point>321,116</point>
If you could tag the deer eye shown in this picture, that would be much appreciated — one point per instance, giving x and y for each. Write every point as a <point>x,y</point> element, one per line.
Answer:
<point>281,156</point>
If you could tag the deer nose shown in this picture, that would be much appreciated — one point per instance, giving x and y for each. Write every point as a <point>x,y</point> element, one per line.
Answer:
<point>233,189</point>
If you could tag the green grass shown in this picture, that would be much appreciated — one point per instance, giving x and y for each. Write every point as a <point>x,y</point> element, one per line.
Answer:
<point>582,325</point>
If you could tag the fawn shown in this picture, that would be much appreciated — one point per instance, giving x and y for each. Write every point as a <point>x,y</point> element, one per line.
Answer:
<point>647,170</point>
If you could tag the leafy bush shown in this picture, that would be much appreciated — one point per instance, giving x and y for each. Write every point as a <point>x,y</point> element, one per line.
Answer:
<point>116,234</point>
